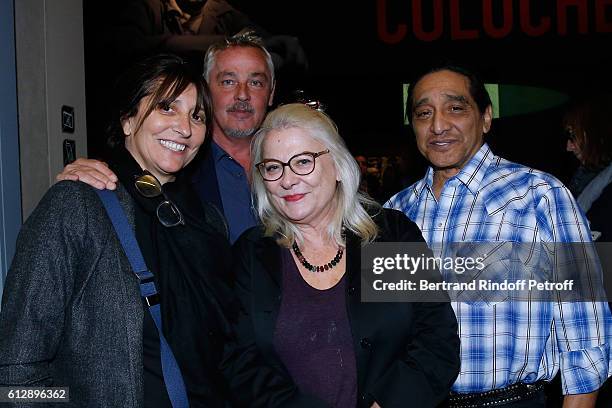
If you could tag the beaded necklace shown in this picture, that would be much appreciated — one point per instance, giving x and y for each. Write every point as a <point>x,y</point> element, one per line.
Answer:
<point>315,268</point>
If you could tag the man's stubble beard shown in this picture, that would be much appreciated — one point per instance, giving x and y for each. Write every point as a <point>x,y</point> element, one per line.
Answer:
<point>240,133</point>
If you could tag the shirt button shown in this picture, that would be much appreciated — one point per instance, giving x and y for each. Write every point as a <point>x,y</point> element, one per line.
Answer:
<point>439,224</point>
<point>351,290</point>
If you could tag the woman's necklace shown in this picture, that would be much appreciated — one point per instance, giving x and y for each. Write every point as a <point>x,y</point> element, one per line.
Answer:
<point>320,268</point>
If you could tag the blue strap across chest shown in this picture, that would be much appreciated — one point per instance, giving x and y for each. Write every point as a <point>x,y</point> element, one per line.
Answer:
<point>171,371</point>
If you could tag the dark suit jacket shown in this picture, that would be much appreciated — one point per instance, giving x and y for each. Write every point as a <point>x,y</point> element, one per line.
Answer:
<point>407,354</point>
<point>204,180</point>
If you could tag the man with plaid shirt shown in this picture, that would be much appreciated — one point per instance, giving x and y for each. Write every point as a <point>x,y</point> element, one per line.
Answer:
<point>508,349</point>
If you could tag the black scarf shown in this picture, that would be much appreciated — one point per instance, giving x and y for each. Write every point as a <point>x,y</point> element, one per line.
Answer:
<point>191,264</point>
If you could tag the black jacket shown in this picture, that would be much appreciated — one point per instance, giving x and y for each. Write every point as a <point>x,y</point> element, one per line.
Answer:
<point>599,215</point>
<point>407,354</point>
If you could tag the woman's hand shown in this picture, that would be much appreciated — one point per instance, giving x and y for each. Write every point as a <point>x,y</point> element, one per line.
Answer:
<point>89,171</point>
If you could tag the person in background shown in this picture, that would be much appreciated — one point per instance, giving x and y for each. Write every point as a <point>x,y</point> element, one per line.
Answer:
<point>587,127</point>
<point>362,161</point>
<point>390,177</point>
<point>189,28</point>
<point>298,277</point>
<point>128,30</point>
<point>508,349</point>
<point>373,179</point>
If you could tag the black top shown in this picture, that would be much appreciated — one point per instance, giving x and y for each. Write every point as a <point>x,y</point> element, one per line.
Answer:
<point>195,295</point>
<point>155,393</point>
<point>313,338</point>
<point>599,215</point>
<point>580,179</point>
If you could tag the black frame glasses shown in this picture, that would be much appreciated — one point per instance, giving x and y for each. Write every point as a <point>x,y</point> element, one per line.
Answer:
<point>290,163</point>
<point>167,212</point>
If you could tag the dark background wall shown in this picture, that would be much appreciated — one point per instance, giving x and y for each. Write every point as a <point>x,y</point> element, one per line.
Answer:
<point>360,53</point>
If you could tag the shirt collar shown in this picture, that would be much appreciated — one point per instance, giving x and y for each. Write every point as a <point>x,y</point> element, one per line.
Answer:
<point>474,171</point>
<point>425,182</point>
<point>217,152</point>
<point>471,174</point>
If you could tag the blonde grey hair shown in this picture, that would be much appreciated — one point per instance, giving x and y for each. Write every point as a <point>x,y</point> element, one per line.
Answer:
<point>241,39</point>
<point>351,203</point>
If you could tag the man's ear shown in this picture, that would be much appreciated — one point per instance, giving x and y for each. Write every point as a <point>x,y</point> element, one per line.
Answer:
<point>487,118</point>
<point>271,98</point>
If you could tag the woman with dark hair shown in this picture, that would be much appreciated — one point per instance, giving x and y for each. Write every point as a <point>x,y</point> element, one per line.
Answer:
<point>72,313</point>
<point>589,137</point>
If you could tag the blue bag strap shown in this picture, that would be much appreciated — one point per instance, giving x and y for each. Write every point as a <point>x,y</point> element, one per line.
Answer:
<point>171,371</point>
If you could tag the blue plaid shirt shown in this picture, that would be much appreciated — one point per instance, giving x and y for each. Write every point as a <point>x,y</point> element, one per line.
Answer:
<point>492,199</point>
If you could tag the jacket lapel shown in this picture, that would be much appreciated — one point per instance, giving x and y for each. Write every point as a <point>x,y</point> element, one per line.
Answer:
<point>268,253</point>
<point>267,281</point>
<point>354,305</point>
<point>205,180</point>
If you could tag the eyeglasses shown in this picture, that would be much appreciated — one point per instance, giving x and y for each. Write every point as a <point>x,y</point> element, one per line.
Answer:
<point>167,213</point>
<point>301,164</point>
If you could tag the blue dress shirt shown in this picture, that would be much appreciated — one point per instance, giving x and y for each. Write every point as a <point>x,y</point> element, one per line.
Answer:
<point>235,193</point>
